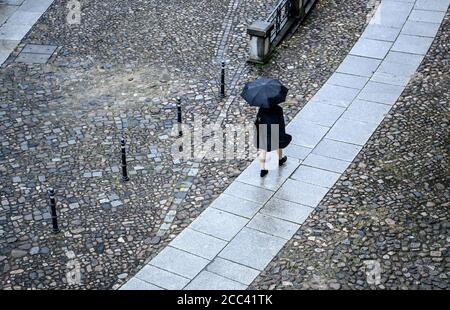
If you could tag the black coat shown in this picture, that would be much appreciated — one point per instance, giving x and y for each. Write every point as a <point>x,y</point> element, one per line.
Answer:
<point>265,140</point>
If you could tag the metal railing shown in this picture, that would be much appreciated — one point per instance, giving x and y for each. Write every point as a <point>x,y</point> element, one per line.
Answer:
<point>279,17</point>
<point>284,20</point>
<point>308,4</point>
<point>283,12</point>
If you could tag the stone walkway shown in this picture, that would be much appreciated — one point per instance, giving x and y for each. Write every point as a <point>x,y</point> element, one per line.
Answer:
<point>234,239</point>
<point>16,19</point>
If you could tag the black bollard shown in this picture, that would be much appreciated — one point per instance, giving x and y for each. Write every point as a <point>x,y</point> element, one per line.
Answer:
<point>179,118</point>
<point>125,177</point>
<point>51,195</point>
<point>222,81</point>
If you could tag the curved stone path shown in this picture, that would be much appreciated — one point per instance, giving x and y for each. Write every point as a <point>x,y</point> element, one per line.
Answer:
<point>234,239</point>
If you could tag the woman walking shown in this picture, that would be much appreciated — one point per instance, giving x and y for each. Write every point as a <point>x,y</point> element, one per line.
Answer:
<point>270,127</point>
<point>271,135</point>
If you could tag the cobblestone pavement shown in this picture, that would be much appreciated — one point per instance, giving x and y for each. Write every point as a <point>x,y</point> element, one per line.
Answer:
<point>120,70</point>
<point>391,206</point>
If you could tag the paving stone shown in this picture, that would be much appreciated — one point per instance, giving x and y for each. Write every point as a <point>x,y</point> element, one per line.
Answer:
<point>219,223</point>
<point>315,176</point>
<point>382,93</point>
<point>16,253</point>
<point>366,111</point>
<point>198,243</point>
<point>179,262</point>
<point>273,226</point>
<point>305,133</point>
<point>398,69</point>
<point>236,205</point>
<point>137,284</point>
<point>394,73</point>
<point>356,65</point>
<point>6,11</point>
<point>122,276</point>
<point>426,16</point>
<point>210,281</point>
<point>321,114</point>
<point>39,49</point>
<point>32,58</point>
<point>116,203</point>
<point>247,192</point>
<point>347,80</point>
<point>387,78</point>
<point>403,58</point>
<point>35,6</point>
<point>391,14</point>
<point>276,178</point>
<point>351,131</point>
<point>335,95</point>
<point>286,210</point>
<point>379,32</point>
<point>161,278</point>
<point>337,150</point>
<point>24,18</point>
<point>13,2</point>
<point>259,248</point>
<point>415,28</point>
<point>326,163</point>
<point>302,193</point>
<point>74,205</point>
<point>432,5</point>
<point>232,270</point>
<point>6,48</point>
<point>13,32</point>
<point>371,48</point>
<point>412,44</point>
<point>297,151</point>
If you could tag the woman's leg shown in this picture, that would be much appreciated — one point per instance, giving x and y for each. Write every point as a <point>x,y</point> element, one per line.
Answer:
<point>262,159</point>
<point>281,159</point>
<point>280,153</point>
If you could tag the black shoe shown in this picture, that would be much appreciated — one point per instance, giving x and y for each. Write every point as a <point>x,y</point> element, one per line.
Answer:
<point>282,161</point>
<point>264,173</point>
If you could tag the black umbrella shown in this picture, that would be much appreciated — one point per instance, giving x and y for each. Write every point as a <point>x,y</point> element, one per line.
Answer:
<point>264,92</point>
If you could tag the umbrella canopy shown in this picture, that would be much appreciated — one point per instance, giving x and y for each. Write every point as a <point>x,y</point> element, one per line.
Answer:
<point>264,92</point>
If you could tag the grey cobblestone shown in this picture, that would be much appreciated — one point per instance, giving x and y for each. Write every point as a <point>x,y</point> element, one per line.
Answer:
<point>107,76</point>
